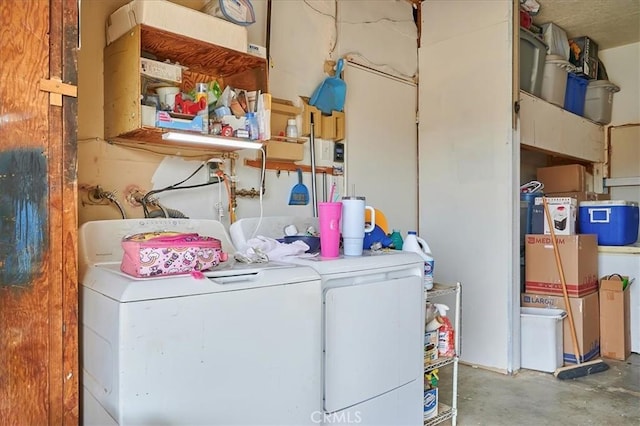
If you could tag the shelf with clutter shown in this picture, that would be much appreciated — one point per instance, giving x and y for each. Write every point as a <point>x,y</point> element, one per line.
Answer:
<point>180,62</point>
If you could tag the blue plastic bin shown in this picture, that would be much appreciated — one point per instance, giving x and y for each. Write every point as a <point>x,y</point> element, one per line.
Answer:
<point>575,94</point>
<point>615,222</point>
<point>526,212</point>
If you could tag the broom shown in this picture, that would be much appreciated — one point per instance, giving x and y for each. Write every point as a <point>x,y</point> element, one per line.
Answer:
<point>581,368</point>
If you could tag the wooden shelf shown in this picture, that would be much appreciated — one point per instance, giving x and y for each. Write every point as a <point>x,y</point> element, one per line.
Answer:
<point>286,166</point>
<point>205,62</point>
<point>550,129</point>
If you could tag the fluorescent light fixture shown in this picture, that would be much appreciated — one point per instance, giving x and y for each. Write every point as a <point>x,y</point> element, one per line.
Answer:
<point>210,141</point>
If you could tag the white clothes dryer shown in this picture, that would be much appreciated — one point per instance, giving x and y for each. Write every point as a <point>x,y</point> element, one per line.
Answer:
<point>239,347</point>
<point>373,329</point>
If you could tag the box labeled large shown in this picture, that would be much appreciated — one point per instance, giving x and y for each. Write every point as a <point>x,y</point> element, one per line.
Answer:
<point>563,211</point>
<point>579,256</point>
<point>176,19</point>
<point>583,53</point>
<point>615,221</point>
<point>567,178</point>
<point>586,317</point>
<point>615,317</point>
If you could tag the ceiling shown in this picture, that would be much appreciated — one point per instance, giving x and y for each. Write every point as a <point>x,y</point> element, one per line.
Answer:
<point>610,23</point>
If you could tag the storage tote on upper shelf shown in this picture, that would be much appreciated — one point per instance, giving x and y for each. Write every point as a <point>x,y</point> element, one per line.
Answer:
<point>554,79</point>
<point>556,38</point>
<point>532,54</point>
<point>614,221</point>
<point>575,93</point>
<point>599,100</point>
<point>177,19</point>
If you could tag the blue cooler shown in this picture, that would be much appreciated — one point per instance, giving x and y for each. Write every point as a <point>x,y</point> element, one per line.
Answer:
<point>615,222</point>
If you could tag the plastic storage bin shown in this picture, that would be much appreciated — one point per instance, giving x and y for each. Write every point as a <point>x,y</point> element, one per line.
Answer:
<point>575,93</point>
<point>541,338</point>
<point>599,100</point>
<point>554,79</point>
<point>614,221</point>
<point>532,54</point>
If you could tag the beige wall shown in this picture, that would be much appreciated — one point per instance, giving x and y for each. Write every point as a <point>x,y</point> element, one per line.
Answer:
<point>623,69</point>
<point>301,40</point>
<point>469,171</point>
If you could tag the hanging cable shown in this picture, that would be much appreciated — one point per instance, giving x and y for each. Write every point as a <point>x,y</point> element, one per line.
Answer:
<point>146,199</point>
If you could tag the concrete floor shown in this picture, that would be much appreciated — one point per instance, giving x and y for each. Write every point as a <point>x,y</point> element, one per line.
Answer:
<point>488,398</point>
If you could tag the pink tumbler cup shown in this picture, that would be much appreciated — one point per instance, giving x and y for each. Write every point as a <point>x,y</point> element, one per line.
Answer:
<point>329,219</point>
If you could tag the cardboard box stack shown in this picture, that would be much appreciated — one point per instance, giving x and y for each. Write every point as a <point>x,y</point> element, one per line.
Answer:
<point>564,186</point>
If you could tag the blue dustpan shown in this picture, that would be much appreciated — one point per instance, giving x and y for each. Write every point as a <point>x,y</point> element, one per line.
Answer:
<point>330,95</point>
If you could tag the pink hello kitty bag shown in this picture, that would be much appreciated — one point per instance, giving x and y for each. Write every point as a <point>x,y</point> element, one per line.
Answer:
<point>153,254</point>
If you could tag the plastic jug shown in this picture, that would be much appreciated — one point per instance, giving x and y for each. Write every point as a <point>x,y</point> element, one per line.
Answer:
<point>418,245</point>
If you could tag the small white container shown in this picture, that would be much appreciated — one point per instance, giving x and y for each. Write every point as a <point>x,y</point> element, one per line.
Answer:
<point>292,128</point>
<point>148,115</point>
<point>599,100</point>
<point>541,338</point>
<point>554,79</point>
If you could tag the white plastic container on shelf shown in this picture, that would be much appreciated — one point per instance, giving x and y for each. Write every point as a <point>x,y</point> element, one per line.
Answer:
<point>599,100</point>
<point>541,338</point>
<point>554,79</point>
<point>417,245</point>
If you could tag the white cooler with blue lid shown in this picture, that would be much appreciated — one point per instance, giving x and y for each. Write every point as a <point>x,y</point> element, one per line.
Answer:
<point>614,221</point>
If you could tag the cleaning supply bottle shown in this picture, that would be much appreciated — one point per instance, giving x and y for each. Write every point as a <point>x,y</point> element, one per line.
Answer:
<point>396,239</point>
<point>446,343</point>
<point>418,245</point>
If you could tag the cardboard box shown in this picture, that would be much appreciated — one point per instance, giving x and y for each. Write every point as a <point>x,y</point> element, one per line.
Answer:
<point>584,55</point>
<point>615,320</point>
<point>161,70</point>
<point>586,318</point>
<point>176,19</point>
<point>581,196</point>
<point>284,151</point>
<point>568,178</point>
<point>579,256</point>
<point>563,211</point>
<point>163,119</point>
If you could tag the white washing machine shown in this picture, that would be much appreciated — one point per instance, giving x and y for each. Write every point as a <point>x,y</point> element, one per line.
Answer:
<point>373,330</point>
<point>239,347</point>
<point>625,260</point>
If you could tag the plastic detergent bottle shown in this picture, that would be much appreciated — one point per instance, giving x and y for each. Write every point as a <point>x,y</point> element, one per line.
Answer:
<point>396,239</point>
<point>418,245</point>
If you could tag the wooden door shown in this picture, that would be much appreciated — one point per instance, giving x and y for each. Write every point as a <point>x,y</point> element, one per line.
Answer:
<point>38,214</point>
